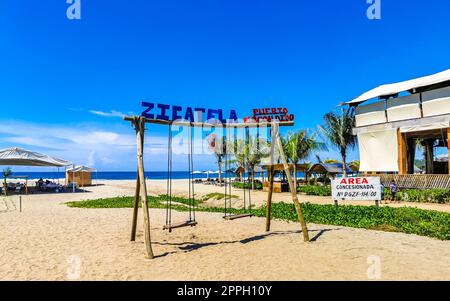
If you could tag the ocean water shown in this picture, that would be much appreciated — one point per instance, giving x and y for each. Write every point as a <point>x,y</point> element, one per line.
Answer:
<point>123,175</point>
<point>113,175</point>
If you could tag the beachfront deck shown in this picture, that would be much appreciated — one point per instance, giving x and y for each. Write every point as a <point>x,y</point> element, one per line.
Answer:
<point>418,181</point>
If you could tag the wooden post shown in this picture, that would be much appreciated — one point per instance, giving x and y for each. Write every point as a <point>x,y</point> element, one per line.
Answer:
<point>429,155</point>
<point>136,208</point>
<point>269,198</point>
<point>293,190</point>
<point>20,203</point>
<point>402,156</point>
<point>140,125</point>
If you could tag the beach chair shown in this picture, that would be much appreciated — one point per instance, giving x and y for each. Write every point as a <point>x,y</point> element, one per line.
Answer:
<point>70,187</point>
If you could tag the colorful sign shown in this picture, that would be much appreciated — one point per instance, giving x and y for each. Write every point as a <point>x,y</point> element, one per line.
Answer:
<point>356,189</point>
<point>269,114</point>
<point>172,113</point>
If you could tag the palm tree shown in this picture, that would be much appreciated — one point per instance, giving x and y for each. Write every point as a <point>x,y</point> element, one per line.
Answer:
<point>239,155</point>
<point>219,147</point>
<point>319,160</point>
<point>338,131</point>
<point>248,154</point>
<point>6,173</point>
<point>299,146</point>
<point>255,149</point>
<point>354,165</point>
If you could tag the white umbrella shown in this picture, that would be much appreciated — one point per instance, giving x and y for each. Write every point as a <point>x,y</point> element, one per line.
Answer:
<point>208,172</point>
<point>196,172</point>
<point>18,156</point>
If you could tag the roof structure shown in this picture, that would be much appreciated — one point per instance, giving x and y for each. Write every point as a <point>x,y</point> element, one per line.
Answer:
<point>333,168</point>
<point>20,157</point>
<point>409,85</point>
<point>81,168</point>
<point>280,167</point>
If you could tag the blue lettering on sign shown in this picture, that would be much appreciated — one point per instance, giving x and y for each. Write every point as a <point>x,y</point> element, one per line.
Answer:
<point>149,106</point>
<point>211,114</point>
<point>163,115</point>
<point>175,110</point>
<point>172,113</point>
<point>200,112</point>
<point>189,114</point>
<point>233,115</point>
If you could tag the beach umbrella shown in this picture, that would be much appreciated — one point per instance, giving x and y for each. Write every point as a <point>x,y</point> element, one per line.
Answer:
<point>196,172</point>
<point>18,156</point>
<point>208,172</point>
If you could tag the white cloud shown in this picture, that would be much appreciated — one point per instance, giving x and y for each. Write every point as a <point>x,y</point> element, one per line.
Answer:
<point>95,146</point>
<point>111,113</point>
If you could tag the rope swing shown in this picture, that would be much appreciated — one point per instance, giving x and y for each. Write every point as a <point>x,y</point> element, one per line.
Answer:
<point>227,213</point>
<point>191,198</point>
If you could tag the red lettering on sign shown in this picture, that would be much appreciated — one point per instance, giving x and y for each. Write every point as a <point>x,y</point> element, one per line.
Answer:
<point>354,181</point>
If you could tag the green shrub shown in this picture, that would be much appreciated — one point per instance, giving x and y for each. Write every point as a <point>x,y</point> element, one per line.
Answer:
<point>408,220</point>
<point>315,190</point>
<point>441,196</point>
<point>240,185</point>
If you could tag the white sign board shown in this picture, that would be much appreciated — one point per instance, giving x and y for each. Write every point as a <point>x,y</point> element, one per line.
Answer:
<point>356,189</point>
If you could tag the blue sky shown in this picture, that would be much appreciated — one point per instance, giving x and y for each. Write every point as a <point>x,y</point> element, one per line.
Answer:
<point>65,83</point>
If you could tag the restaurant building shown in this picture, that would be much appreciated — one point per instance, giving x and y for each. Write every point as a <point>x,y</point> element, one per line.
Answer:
<point>391,120</point>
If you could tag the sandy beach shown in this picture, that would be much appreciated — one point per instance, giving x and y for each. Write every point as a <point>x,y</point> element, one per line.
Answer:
<point>50,241</point>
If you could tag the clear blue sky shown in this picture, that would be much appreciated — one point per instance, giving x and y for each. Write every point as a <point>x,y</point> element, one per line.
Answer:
<point>58,76</point>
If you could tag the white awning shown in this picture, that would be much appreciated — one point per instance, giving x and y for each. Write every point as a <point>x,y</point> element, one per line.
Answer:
<point>425,127</point>
<point>20,157</point>
<point>81,168</point>
<point>391,89</point>
<point>378,151</point>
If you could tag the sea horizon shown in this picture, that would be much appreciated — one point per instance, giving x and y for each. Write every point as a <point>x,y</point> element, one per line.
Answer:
<point>123,175</point>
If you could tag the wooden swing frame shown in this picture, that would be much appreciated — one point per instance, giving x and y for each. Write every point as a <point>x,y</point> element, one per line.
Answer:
<point>138,122</point>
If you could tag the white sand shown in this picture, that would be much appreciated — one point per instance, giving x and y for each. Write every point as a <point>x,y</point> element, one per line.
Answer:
<point>46,240</point>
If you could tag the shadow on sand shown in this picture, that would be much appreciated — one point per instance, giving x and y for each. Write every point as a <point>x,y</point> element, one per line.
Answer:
<point>192,246</point>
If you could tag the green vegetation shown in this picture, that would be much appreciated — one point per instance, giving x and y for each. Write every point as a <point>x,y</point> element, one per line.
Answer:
<point>216,196</point>
<point>7,172</point>
<point>299,146</point>
<point>338,130</point>
<point>441,196</point>
<point>257,185</point>
<point>408,220</point>
<point>315,190</point>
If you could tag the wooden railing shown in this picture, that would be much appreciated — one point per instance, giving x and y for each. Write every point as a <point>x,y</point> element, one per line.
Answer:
<point>417,181</point>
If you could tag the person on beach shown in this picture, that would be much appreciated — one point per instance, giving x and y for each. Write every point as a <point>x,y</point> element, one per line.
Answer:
<point>382,193</point>
<point>394,189</point>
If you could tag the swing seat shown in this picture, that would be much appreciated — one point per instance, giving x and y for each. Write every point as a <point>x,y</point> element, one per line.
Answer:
<point>180,225</point>
<point>236,216</point>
